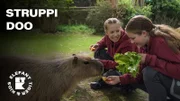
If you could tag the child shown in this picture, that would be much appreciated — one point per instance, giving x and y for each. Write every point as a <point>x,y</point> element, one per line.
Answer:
<point>161,73</point>
<point>116,41</point>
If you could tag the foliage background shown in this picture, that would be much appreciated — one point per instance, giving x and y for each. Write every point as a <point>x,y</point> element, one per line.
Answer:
<point>95,12</point>
<point>123,12</point>
<point>166,12</point>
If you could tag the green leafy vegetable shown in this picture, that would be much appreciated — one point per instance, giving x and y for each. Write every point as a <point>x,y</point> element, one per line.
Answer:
<point>128,62</point>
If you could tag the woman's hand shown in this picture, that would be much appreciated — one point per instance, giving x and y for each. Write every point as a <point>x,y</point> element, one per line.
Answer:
<point>94,47</point>
<point>112,80</point>
<point>143,58</point>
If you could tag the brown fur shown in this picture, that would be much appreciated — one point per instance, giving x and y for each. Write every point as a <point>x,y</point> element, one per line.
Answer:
<point>51,79</point>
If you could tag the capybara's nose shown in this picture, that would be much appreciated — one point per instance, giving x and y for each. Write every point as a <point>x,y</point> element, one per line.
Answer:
<point>99,65</point>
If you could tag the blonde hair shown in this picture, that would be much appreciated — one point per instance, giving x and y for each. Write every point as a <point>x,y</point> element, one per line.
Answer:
<point>178,29</point>
<point>111,21</point>
<point>141,23</point>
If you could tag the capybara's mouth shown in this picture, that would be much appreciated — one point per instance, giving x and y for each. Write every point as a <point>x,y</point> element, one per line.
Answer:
<point>101,67</point>
<point>102,71</point>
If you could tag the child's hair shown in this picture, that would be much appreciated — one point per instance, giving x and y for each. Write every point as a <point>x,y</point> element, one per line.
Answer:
<point>140,23</point>
<point>178,29</point>
<point>111,21</point>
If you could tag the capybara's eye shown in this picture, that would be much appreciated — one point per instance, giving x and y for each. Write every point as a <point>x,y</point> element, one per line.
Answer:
<point>86,62</point>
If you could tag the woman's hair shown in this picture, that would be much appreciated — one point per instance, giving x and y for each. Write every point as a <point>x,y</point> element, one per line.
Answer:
<point>140,23</point>
<point>111,21</point>
<point>178,29</point>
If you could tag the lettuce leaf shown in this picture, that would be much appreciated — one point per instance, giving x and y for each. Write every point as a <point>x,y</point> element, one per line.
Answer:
<point>128,62</point>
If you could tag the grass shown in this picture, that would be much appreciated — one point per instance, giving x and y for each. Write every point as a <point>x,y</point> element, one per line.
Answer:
<point>31,43</point>
<point>82,29</point>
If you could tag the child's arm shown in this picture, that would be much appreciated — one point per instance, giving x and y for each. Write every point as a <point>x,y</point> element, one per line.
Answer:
<point>102,43</point>
<point>99,45</point>
<point>166,67</point>
<point>108,64</point>
<point>164,59</point>
<point>125,79</point>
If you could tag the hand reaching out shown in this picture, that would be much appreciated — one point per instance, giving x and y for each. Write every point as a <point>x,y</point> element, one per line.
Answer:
<point>112,80</point>
<point>94,47</point>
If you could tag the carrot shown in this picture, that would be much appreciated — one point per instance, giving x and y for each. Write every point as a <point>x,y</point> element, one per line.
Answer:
<point>92,49</point>
<point>105,79</point>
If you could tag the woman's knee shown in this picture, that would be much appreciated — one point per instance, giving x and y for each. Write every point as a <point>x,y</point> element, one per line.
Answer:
<point>148,74</point>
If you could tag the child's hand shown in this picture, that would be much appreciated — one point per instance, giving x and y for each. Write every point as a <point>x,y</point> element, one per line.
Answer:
<point>143,57</point>
<point>94,47</point>
<point>112,80</point>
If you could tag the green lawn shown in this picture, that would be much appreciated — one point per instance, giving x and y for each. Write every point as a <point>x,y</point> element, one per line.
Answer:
<point>31,43</point>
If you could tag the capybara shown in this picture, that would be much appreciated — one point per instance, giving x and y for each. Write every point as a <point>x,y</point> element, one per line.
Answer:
<point>50,78</point>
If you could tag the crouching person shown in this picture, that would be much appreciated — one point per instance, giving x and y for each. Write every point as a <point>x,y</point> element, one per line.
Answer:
<point>161,70</point>
<point>114,41</point>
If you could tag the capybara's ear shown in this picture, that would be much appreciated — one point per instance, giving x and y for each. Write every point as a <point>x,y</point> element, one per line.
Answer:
<point>75,60</point>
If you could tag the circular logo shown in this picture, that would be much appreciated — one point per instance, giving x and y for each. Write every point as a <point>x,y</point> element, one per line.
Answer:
<point>20,83</point>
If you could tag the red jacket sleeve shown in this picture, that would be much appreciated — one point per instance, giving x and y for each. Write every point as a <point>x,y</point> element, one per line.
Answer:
<point>163,59</point>
<point>127,79</point>
<point>108,64</point>
<point>102,43</point>
<point>166,67</point>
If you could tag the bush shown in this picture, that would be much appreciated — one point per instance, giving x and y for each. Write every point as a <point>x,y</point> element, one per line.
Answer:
<point>84,3</point>
<point>37,3</point>
<point>74,15</point>
<point>164,19</point>
<point>123,12</point>
<point>77,29</point>
<point>98,15</point>
<point>131,10</point>
<point>166,12</point>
